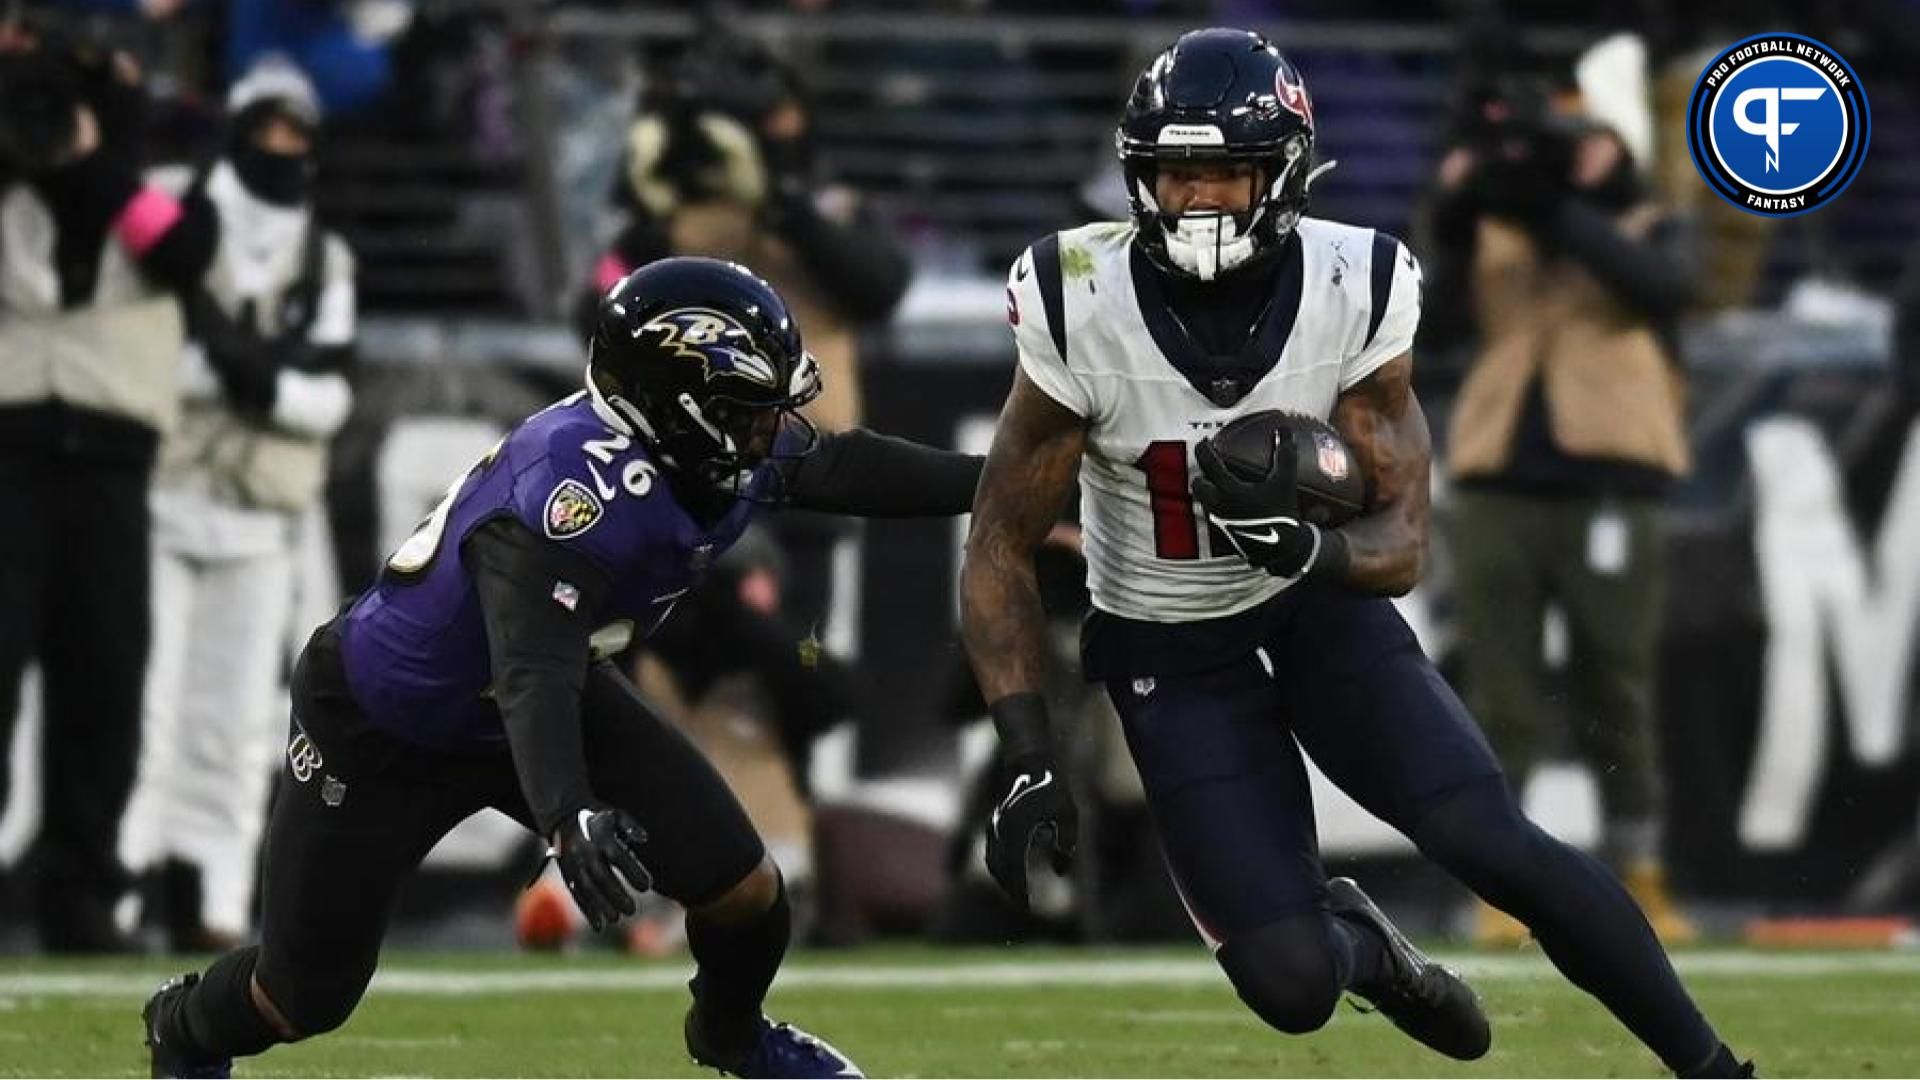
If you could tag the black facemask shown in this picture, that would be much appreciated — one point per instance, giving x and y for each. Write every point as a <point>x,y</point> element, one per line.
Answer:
<point>281,179</point>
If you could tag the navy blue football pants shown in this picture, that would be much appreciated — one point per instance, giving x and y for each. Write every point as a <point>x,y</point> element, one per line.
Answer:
<point>1341,677</point>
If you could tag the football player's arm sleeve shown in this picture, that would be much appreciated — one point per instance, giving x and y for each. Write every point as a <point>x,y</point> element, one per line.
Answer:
<point>1385,549</point>
<point>539,647</point>
<point>1393,310</point>
<point>868,474</point>
<point>1028,477</point>
<point>1653,276</point>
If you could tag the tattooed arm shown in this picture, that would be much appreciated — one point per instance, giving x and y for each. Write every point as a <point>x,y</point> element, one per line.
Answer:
<point>1029,472</point>
<point>1381,421</point>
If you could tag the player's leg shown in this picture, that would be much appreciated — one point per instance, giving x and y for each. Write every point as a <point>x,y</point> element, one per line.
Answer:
<point>1228,795</point>
<point>356,813</point>
<point>1612,586</point>
<point>1382,724</point>
<point>1584,919</point>
<point>704,852</point>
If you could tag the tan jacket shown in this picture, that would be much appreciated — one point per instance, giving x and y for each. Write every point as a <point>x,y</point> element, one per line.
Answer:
<point>1611,391</point>
<point>119,355</point>
<point>729,231</point>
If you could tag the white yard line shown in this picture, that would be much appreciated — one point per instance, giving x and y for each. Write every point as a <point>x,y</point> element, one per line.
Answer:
<point>510,978</point>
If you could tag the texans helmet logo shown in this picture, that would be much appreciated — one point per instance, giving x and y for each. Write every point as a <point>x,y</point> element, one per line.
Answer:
<point>715,339</point>
<point>1292,94</point>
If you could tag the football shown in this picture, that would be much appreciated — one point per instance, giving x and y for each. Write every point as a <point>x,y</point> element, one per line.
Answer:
<point>1332,489</point>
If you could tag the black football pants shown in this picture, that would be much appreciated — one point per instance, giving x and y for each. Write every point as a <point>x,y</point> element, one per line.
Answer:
<point>358,810</point>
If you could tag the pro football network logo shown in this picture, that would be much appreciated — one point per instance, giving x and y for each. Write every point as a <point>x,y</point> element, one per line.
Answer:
<point>1778,124</point>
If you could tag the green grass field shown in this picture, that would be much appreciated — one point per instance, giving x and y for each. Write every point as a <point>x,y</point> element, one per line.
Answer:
<point>1009,1012</point>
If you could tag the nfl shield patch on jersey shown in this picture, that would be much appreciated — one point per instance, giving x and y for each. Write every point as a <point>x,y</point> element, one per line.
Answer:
<point>571,510</point>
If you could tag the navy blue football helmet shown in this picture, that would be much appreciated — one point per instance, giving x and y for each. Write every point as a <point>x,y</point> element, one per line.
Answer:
<point>701,359</point>
<point>1224,95</point>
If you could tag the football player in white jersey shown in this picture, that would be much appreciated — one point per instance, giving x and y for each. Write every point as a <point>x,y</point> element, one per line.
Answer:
<point>1230,634</point>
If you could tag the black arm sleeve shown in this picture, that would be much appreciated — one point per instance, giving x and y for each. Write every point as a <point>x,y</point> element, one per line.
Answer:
<point>1654,277</point>
<point>540,657</point>
<point>862,269</point>
<point>867,474</point>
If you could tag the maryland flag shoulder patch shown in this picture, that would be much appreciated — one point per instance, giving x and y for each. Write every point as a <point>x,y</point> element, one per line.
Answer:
<point>571,510</point>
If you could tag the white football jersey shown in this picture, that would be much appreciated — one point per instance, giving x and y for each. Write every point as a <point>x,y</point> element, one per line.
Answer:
<point>1094,334</point>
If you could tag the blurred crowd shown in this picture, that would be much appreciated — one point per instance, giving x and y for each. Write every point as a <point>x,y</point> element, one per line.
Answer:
<point>177,350</point>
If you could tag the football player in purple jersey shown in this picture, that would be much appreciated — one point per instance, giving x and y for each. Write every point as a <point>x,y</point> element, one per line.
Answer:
<point>473,675</point>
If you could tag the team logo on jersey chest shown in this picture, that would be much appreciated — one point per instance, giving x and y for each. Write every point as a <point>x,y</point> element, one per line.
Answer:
<point>571,510</point>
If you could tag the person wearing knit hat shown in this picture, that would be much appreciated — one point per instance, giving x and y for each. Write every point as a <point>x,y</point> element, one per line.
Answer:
<point>264,388</point>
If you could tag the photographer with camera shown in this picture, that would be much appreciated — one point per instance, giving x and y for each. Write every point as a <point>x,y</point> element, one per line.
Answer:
<point>720,162</point>
<point>1567,433</point>
<point>90,335</point>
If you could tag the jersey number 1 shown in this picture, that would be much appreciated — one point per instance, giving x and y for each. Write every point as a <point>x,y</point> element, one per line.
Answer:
<point>1176,530</point>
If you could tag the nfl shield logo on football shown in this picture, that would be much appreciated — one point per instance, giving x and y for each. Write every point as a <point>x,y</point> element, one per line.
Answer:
<point>1332,456</point>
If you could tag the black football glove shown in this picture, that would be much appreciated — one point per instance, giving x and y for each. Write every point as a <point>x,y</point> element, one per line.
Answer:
<point>1035,808</point>
<point>1259,517</point>
<point>591,847</point>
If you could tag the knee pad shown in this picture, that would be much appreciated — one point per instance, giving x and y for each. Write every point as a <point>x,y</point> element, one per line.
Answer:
<point>1285,972</point>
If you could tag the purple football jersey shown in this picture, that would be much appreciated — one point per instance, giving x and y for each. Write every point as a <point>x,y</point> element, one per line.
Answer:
<point>415,644</point>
